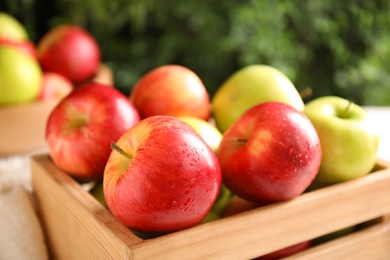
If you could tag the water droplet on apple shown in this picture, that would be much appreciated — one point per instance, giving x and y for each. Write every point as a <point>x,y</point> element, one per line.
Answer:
<point>192,164</point>
<point>173,202</point>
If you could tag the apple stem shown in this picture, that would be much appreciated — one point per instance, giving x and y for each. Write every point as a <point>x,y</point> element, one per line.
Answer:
<point>116,148</point>
<point>236,139</point>
<point>347,109</point>
<point>307,92</point>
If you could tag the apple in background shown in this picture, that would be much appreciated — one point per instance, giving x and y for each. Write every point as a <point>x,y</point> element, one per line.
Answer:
<point>271,153</point>
<point>210,134</point>
<point>161,176</point>
<point>171,90</point>
<point>54,86</point>
<point>20,77</point>
<point>349,144</point>
<point>250,86</point>
<point>11,29</point>
<point>70,51</point>
<point>104,75</point>
<point>82,126</point>
<point>26,46</point>
<point>13,33</point>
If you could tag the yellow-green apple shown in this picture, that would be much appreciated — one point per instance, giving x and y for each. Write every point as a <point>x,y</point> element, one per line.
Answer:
<point>26,46</point>
<point>349,144</point>
<point>20,76</point>
<point>161,176</point>
<point>171,90</point>
<point>82,126</point>
<point>271,153</point>
<point>13,33</point>
<point>11,29</point>
<point>210,134</point>
<point>54,86</point>
<point>70,51</point>
<point>250,86</point>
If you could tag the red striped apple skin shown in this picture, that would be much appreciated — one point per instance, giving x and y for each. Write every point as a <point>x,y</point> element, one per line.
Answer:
<point>271,153</point>
<point>168,181</point>
<point>171,90</point>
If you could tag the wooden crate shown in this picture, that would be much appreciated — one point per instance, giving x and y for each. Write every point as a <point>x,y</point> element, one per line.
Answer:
<point>79,227</point>
<point>22,128</point>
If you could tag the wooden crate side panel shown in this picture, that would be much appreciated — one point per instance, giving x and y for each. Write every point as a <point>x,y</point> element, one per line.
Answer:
<point>273,227</point>
<point>72,230</point>
<point>371,243</point>
<point>24,130</point>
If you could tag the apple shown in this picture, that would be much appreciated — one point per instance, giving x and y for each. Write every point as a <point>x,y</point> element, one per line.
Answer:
<point>54,86</point>
<point>349,144</point>
<point>224,197</point>
<point>285,252</point>
<point>82,126</point>
<point>26,46</point>
<point>171,90</point>
<point>271,153</point>
<point>211,216</point>
<point>11,29</point>
<point>161,176</point>
<point>237,205</point>
<point>210,134</point>
<point>20,77</point>
<point>250,86</point>
<point>98,193</point>
<point>104,75</point>
<point>70,51</point>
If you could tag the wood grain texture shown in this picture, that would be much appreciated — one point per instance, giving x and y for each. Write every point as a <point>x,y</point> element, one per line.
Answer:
<point>82,228</point>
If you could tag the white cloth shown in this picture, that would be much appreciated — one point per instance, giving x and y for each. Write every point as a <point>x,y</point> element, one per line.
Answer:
<point>21,234</point>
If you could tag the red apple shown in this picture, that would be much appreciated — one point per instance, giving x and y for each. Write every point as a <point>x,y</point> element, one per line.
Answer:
<point>285,252</point>
<point>271,153</point>
<point>25,46</point>
<point>70,51</point>
<point>171,90</point>
<point>82,126</point>
<point>54,86</point>
<point>162,178</point>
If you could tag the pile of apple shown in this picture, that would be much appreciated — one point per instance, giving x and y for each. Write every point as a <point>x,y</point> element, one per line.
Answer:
<point>64,58</point>
<point>169,157</point>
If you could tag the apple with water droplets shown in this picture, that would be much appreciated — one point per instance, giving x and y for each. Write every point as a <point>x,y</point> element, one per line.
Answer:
<point>271,153</point>
<point>161,176</point>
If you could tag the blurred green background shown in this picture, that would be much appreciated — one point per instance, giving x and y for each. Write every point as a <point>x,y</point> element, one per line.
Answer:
<point>334,47</point>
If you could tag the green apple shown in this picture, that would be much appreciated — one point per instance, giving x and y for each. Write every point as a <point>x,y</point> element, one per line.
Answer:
<point>349,144</point>
<point>249,86</point>
<point>20,76</point>
<point>211,216</point>
<point>210,134</point>
<point>98,193</point>
<point>224,197</point>
<point>12,29</point>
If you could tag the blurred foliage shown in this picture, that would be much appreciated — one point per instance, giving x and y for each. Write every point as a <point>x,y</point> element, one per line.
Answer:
<point>334,47</point>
